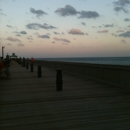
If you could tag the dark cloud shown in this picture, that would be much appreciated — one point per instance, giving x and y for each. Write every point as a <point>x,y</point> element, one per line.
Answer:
<point>36,26</point>
<point>122,2</point>
<point>88,14</point>
<point>61,39</point>
<point>66,11</point>
<point>126,34</point>
<point>56,33</point>
<point>76,32</point>
<point>18,35</point>
<point>117,9</point>
<point>83,23</point>
<point>121,5</point>
<point>37,12</point>
<point>69,10</point>
<point>109,25</point>
<point>23,32</point>
<point>44,36</point>
<point>13,39</point>
<point>3,14</point>
<point>127,19</point>
<point>9,26</point>
<point>29,38</point>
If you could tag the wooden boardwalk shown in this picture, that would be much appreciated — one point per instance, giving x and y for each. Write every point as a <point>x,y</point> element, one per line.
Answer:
<point>31,103</point>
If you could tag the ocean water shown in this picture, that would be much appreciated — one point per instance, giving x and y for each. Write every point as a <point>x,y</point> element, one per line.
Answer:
<point>95,60</point>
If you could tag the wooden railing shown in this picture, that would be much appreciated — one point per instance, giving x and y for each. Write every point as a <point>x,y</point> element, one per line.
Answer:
<point>116,75</point>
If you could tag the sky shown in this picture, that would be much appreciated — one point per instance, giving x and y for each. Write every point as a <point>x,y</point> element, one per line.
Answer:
<point>65,28</point>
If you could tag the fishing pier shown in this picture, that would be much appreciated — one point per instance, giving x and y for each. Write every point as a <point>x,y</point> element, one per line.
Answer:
<point>87,101</point>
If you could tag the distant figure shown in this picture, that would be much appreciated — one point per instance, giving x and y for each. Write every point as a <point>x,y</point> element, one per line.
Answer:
<point>32,60</point>
<point>2,69</point>
<point>7,66</point>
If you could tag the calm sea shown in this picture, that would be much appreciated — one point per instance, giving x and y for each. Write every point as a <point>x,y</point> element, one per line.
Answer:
<point>96,60</point>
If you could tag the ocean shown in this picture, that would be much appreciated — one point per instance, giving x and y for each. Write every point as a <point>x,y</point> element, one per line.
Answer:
<point>94,60</point>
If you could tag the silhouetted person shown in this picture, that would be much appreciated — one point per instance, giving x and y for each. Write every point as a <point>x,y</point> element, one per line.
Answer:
<point>7,66</point>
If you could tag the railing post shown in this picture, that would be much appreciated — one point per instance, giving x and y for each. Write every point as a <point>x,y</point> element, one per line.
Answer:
<point>59,80</point>
<point>31,67</point>
<point>39,71</point>
<point>23,63</point>
<point>26,64</point>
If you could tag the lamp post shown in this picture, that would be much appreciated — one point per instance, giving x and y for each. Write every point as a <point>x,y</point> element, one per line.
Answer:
<point>3,52</point>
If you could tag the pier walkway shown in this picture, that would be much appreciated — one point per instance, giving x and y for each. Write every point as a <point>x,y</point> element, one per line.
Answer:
<point>31,103</point>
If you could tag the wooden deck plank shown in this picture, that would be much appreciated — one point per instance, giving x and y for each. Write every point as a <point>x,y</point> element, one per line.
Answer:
<point>32,103</point>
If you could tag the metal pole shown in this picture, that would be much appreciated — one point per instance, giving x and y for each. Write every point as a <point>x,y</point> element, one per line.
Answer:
<point>3,52</point>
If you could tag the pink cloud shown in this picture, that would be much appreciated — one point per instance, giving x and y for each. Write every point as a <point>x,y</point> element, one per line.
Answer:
<point>103,31</point>
<point>76,32</point>
<point>13,39</point>
<point>20,44</point>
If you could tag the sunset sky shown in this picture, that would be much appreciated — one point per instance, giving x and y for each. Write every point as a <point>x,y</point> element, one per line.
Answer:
<point>65,28</point>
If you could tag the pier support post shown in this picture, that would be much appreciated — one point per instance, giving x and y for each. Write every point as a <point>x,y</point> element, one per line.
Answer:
<point>31,67</point>
<point>59,80</point>
<point>39,71</point>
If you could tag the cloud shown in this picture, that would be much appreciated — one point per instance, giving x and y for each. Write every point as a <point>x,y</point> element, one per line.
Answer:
<point>44,36</point>
<point>9,26</point>
<point>123,41</point>
<point>103,31</point>
<point>13,39</point>
<point>122,2</point>
<point>29,38</point>
<point>126,34</point>
<point>109,25</point>
<point>20,44</point>
<point>37,12</point>
<point>53,42</point>
<point>88,14</point>
<point>61,39</point>
<point>56,33</point>
<point>121,5</point>
<point>3,14</point>
<point>9,44</point>
<point>83,23</point>
<point>23,32</point>
<point>120,31</point>
<point>127,19</point>
<point>66,11</point>
<point>117,9</point>
<point>18,35</point>
<point>36,26</point>
<point>76,32</point>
